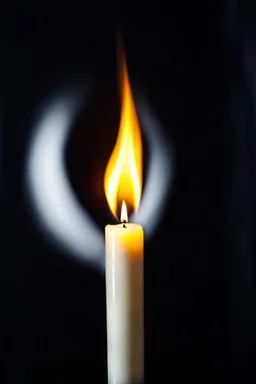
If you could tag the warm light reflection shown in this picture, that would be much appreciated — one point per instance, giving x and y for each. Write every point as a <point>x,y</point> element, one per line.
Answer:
<point>123,175</point>
<point>124,215</point>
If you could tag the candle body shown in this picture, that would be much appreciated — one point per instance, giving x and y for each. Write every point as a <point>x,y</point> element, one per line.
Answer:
<point>125,303</point>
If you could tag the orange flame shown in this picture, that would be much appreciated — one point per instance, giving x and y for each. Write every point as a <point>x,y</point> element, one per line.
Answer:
<point>123,174</point>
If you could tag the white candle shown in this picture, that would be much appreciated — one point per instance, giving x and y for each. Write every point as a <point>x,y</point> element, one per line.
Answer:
<point>125,303</point>
<point>124,247</point>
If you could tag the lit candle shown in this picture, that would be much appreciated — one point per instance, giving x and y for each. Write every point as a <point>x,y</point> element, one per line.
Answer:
<point>124,248</point>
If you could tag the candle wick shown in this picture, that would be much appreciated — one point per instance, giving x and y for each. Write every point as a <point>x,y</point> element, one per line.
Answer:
<point>124,224</point>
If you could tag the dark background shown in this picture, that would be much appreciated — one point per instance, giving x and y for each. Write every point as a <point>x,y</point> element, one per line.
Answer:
<point>196,66</point>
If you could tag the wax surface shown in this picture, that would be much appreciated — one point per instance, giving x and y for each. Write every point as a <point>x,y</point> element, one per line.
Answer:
<point>125,303</point>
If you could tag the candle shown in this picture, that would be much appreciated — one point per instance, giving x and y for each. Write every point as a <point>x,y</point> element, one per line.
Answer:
<point>124,247</point>
<point>124,291</point>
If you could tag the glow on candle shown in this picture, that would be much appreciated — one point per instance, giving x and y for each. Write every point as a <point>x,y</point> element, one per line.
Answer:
<point>125,247</point>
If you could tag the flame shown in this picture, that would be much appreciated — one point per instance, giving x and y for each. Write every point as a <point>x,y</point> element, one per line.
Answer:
<point>123,174</point>
<point>124,215</point>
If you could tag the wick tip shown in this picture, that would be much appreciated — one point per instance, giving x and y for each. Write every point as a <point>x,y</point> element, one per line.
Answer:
<point>124,222</point>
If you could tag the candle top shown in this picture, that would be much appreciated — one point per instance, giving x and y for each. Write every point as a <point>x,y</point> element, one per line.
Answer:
<point>128,240</point>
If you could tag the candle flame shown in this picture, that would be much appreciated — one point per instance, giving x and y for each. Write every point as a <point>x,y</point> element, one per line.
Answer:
<point>124,215</point>
<point>123,174</point>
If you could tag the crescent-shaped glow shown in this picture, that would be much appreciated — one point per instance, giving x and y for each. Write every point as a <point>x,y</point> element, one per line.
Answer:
<point>54,201</point>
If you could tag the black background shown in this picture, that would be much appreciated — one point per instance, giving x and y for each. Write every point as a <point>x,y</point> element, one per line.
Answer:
<point>195,64</point>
